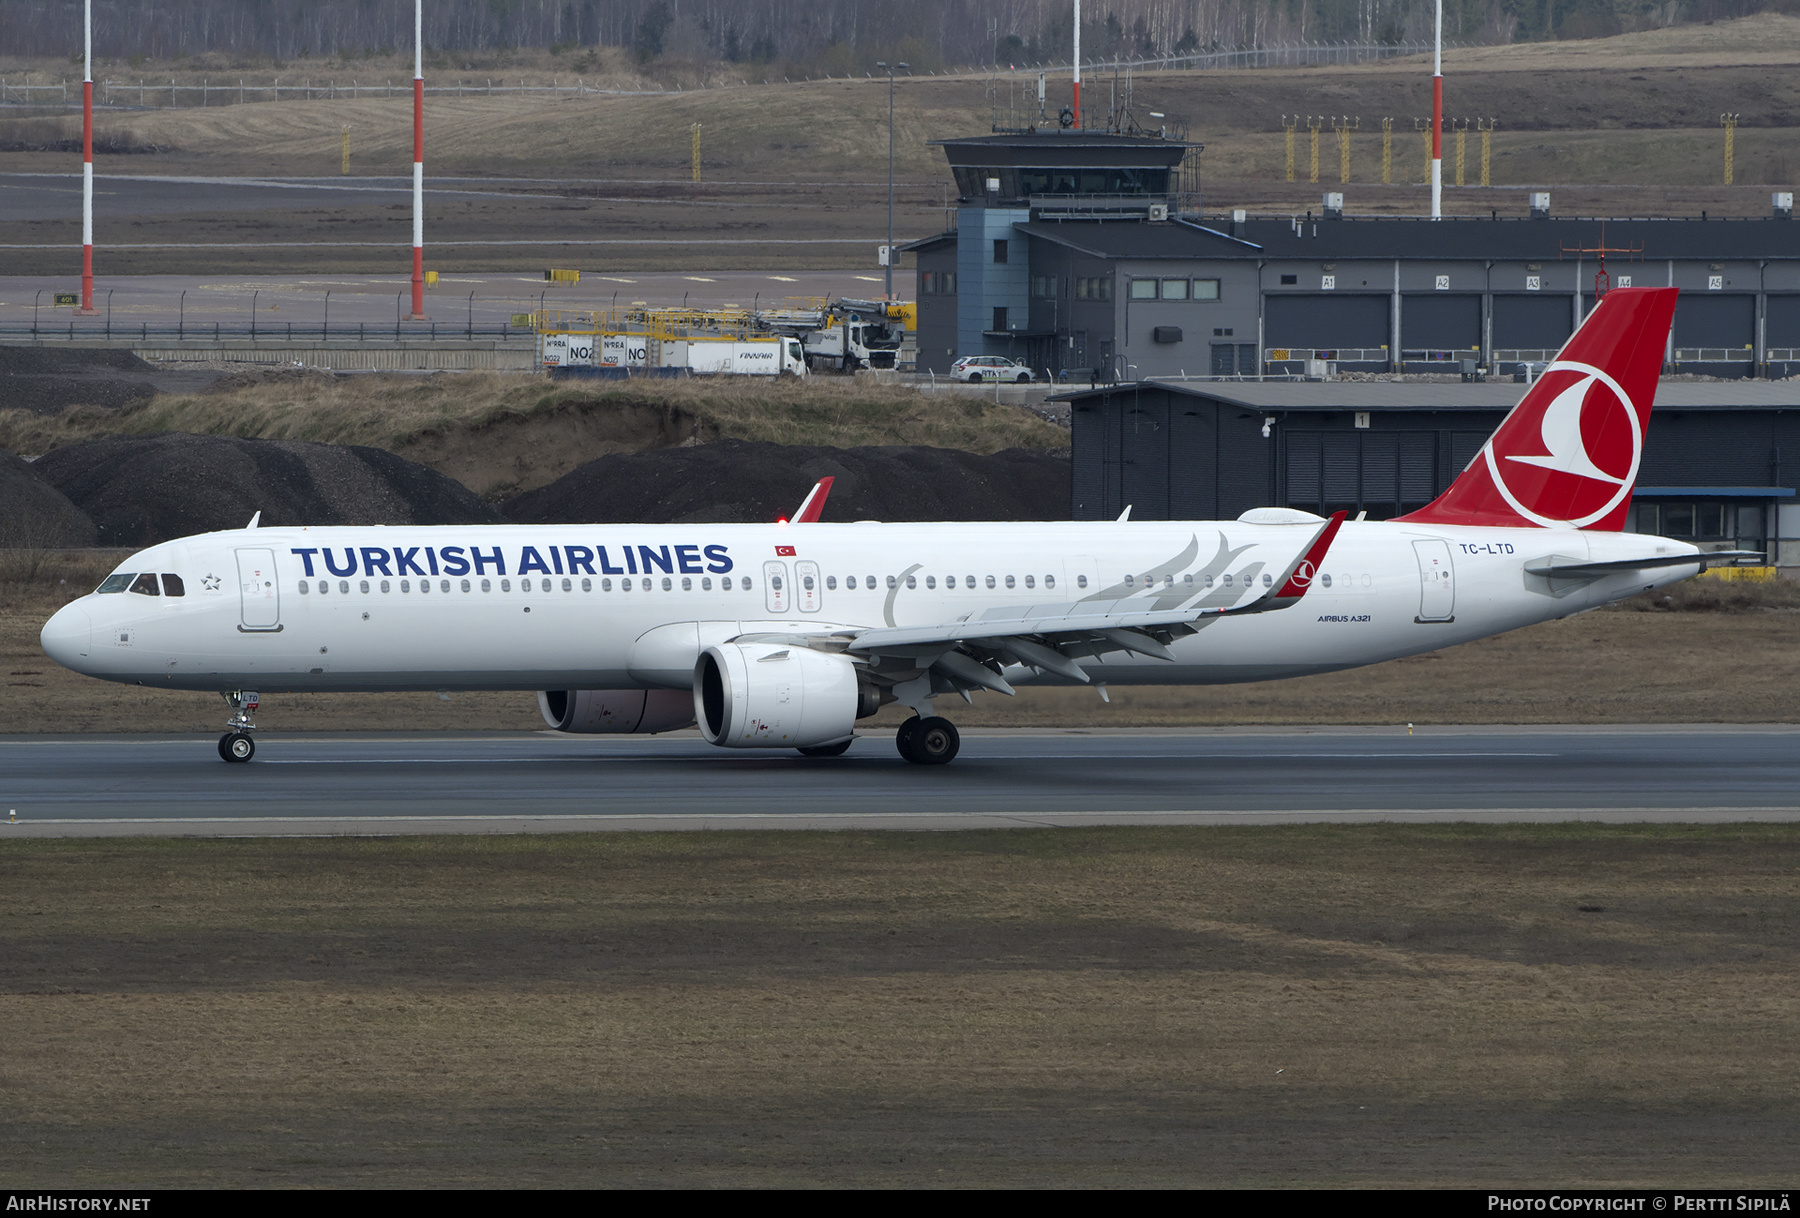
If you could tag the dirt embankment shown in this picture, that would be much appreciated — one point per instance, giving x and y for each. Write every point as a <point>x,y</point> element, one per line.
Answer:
<point>737,481</point>
<point>501,434</point>
<point>140,490</point>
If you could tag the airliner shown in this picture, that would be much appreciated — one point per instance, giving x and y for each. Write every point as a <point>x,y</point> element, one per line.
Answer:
<point>786,635</point>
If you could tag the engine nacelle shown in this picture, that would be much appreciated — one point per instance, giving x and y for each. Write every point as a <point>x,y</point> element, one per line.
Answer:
<point>777,696</point>
<point>593,711</point>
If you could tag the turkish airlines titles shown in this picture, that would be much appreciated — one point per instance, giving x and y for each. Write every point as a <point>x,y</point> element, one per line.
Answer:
<point>526,560</point>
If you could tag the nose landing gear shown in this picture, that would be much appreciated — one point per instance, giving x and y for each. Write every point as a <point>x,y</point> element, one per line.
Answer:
<point>238,745</point>
<point>928,740</point>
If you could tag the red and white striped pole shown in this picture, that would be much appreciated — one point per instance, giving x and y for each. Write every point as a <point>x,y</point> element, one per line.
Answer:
<point>87,161</point>
<point>1076,108</point>
<point>418,310</point>
<point>1437,119</point>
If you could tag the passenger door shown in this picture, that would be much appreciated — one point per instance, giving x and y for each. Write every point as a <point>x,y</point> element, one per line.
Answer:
<point>259,591</point>
<point>1437,582</point>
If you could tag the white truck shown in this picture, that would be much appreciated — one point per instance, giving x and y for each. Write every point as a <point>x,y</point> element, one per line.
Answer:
<point>856,334</point>
<point>769,355</point>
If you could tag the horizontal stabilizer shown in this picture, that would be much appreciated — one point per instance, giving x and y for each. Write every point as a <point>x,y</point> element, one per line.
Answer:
<point>1580,570</point>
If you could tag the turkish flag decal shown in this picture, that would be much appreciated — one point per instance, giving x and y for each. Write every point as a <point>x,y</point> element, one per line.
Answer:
<point>784,551</point>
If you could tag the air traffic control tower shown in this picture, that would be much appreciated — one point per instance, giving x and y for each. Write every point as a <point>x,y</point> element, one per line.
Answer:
<point>1015,178</point>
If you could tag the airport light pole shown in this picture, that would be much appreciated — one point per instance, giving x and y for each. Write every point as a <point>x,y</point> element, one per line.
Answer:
<point>1075,106</point>
<point>1437,119</point>
<point>418,280</point>
<point>87,161</point>
<point>890,69</point>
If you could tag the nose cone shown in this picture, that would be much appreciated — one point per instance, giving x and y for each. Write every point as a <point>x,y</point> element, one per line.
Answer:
<point>65,637</point>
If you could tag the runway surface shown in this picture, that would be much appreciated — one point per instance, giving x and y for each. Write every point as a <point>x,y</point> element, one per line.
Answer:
<point>401,783</point>
<point>46,196</point>
<point>480,301</point>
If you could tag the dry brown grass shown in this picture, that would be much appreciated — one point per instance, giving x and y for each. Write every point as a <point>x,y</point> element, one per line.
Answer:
<point>1377,1005</point>
<point>775,132</point>
<point>499,433</point>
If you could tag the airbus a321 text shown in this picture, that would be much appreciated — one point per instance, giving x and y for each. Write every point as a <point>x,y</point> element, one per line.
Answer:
<point>785,635</point>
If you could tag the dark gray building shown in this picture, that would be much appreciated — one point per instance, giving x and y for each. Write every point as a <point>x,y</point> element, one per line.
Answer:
<point>1721,459</point>
<point>1067,256</point>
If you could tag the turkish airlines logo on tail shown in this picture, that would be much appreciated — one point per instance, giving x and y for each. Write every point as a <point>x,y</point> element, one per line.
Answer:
<point>1579,461</point>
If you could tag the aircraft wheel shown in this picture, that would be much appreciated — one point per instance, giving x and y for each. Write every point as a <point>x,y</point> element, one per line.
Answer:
<point>934,741</point>
<point>237,746</point>
<point>903,739</point>
<point>827,750</point>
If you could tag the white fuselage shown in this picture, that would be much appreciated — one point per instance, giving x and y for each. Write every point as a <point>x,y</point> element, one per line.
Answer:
<point>547,607</point>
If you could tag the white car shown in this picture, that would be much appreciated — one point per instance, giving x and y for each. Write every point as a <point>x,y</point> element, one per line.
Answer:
<point>978,368</point>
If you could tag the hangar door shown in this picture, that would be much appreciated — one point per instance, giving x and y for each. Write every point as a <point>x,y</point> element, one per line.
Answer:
<point>1440,323</point>
<point>1533,323</point>
<point>1714,328</point>
<point>1381,472</point>
<point>1326,323</point>
<point>1782,322</point>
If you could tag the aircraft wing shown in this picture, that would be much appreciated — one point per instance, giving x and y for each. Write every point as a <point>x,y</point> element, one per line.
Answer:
<point>970,651</point>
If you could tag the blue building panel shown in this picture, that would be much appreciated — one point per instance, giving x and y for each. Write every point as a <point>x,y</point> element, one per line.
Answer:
<point>984,285</point>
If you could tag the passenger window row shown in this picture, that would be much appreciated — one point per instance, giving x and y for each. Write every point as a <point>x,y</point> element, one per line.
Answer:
<point>306,587</point>
<point>1243,581</point>
<point>950,581</point>
<point>727,583</point>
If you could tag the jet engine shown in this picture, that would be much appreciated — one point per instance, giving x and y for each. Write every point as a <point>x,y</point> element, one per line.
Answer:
<point>592,711</point>
<point>777,696</point>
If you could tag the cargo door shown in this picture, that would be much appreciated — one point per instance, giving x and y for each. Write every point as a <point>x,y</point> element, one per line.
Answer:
<point>1437,582</point>
<point>258,590</point>
<point>806,574</point>
<point>775,587</point>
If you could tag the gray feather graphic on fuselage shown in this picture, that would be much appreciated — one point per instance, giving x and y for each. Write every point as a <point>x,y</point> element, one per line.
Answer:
<point>1170,595</point>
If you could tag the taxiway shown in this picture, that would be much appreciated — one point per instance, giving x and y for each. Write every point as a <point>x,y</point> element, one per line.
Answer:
<point>405,783</point>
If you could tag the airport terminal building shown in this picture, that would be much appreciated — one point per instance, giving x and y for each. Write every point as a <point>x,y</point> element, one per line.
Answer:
<point>1212,345</point>
<point>1067,255</point>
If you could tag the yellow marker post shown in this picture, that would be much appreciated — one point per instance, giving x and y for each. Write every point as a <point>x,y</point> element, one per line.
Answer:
<point>1287,125</point>
<point>696,131</point>
<point>1344,126</point>
<point>345,171</point>
<point>1387,151</point>
<point>1729,122</point>
<point>1313,125</point>
<point>1487,146</point>
<point>1461,127</point>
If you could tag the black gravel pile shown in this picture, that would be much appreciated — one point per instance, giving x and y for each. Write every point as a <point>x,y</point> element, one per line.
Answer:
<point>43,380</point>
<point>736,481</point>
<point>34,514</point>
<point>141,490</point>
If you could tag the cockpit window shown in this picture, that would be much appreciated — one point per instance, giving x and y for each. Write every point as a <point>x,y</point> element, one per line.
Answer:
<point>145,584</point>
<point>115,583</point>
<point>172,585</point>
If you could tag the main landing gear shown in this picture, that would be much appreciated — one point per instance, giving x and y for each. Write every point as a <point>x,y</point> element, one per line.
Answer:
<point>237,744</point>
<point>928,740</point>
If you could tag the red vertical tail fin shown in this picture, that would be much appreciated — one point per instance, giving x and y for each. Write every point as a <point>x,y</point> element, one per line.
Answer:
<point>1568,454</point>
